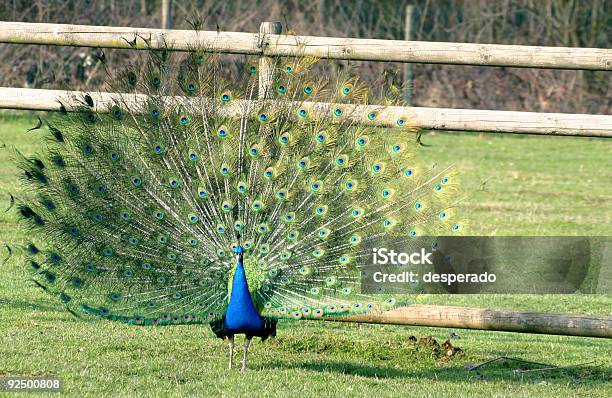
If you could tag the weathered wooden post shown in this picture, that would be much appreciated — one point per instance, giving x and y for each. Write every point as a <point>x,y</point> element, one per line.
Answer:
<point>408,66</point>
<point>266,64</point>
<point>166,14</point>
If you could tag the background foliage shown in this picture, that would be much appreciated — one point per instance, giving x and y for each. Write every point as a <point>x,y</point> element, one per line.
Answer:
<point>571,23</point>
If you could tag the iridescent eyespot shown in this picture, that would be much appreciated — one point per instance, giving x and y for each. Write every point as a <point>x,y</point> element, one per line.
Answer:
<point>193,156</point>
<point>302,112</point>
<point>281,89</point>
<point>225,97</point>
<point>372,115</point>
<point>252,69</point>
<point>455,227</point>
<point>341,160</point>
<point>263,117</point>
<point>284,138</point>
<point>281,195</point>
<point>155,81</point>
<point>155,113</point>
<point>408,172</point>
<point>136,181</point>
<point>362,141</point>
<point>357,212</point>
<point>400,122</point>
<point>191,87</point>
<point>114,156</point>
<point>442,215</point>
<point>444,180</point>
<point>184,119</point>
<point>288,69</point>
<point>307,90</point>
<point>242,187</point>
<point>338,112</point>
<point>346,90</point>
<point>158,148</point>
<point>438,187</point>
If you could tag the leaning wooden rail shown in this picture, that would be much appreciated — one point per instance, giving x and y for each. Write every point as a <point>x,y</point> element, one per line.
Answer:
<point>424,118</point>
<point>322,47</point>
<point>487,319</point>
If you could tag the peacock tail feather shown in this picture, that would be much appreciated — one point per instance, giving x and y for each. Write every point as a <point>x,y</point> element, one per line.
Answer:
<point>136,209</point>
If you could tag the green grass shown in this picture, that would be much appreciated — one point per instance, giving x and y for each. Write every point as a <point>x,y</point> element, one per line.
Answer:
<point>510,185</point>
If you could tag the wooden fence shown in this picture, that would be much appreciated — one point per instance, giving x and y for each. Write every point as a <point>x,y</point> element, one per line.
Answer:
<point>270,43</point>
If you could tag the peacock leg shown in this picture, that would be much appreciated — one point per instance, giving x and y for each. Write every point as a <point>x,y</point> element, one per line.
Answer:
<point>231,344</point>
<point>247,342</point>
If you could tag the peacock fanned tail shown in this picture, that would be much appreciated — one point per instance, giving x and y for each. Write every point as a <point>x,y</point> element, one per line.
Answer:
<point>135,207</point>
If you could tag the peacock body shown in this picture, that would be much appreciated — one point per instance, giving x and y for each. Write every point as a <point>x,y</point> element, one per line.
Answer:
<point>189,200</point>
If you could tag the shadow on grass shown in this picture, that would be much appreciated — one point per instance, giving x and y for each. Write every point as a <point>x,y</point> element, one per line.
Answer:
<point>53,310</point>
<point>457,373</point>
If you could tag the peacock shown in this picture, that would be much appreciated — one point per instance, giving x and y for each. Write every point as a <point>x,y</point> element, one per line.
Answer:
<point>192,198</point>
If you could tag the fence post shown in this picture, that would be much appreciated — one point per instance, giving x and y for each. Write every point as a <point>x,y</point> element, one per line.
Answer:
<point>408,66</point>
<point>166,14</point>
<point>266,64</point>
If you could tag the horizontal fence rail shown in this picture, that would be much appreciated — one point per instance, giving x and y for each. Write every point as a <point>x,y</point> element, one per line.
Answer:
<point>488,319</point>
<point>322,47</point>
<point>424,118</point>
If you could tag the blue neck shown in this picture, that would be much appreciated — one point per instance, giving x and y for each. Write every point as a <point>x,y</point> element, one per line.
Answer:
<point>241,315</point>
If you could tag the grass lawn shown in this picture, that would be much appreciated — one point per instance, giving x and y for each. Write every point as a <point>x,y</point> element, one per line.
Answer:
<point>511,185</point>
